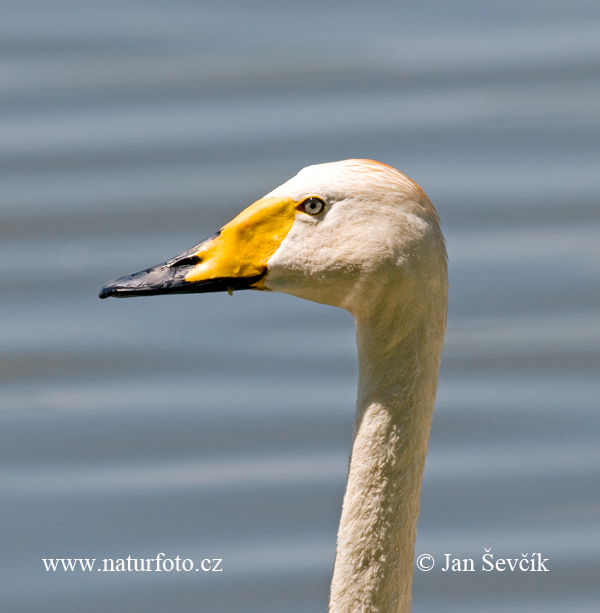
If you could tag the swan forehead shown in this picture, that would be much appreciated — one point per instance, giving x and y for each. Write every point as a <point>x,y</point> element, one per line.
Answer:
<point>363,180</point>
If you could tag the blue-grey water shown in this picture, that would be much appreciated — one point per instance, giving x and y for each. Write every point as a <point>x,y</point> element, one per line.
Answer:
<point>217,427</point>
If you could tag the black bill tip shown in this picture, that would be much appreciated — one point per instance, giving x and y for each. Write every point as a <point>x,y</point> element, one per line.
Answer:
<point>165,279</point>
<point>115,289</point>
<point>145,282</point>
<point>105,292</point>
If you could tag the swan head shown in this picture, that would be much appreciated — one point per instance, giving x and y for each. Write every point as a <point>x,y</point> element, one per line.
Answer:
<point>342,233</point>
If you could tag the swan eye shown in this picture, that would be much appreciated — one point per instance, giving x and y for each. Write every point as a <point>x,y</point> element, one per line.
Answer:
<point>312,206</point>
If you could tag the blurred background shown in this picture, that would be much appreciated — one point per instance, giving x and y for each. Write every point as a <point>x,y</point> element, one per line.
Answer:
<point>220,427</point>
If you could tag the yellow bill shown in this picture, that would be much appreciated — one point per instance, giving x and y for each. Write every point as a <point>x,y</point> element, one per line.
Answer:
<point>234,258</point>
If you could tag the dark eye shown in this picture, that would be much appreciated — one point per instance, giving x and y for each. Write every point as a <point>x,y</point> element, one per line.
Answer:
<point>313,206</point>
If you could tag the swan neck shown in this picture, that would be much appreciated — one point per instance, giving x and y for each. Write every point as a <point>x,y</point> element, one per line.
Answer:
<point>398,365</point>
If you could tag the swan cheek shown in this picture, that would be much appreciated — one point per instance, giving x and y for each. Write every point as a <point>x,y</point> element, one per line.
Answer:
<point>305,266</point>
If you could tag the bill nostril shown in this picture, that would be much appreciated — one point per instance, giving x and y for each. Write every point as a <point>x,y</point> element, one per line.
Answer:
<point>192,260</point>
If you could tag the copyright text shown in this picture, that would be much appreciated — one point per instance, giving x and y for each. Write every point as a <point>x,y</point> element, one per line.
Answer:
<point>525,563</point>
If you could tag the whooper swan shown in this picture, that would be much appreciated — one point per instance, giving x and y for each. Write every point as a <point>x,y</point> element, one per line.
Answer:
<point>359,235</point>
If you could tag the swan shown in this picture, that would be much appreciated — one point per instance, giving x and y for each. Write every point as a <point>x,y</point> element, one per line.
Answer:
<point>359,235</point>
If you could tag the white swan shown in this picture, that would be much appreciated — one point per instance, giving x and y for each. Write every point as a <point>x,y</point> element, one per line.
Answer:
<point>362,236</point>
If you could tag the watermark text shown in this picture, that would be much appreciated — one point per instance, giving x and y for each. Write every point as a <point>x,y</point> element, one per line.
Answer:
<point>129,564</point>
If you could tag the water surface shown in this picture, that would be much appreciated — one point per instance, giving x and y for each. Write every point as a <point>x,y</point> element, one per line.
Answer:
<point>220,427</point>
